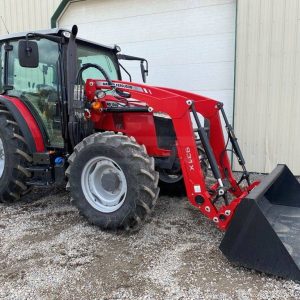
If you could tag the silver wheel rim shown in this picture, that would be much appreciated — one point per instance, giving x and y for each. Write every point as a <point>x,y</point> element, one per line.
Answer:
<point>2,158</point>
<point>104,184</point>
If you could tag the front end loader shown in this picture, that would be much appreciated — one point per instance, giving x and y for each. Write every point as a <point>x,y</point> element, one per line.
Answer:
<point>65,110</point>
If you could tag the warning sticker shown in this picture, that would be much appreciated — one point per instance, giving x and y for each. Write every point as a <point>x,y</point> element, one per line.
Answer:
<point>197,188</point>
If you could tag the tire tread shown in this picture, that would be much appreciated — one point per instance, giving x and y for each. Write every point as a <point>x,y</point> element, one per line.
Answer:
<point>14,185</point>
<point>146,185</point>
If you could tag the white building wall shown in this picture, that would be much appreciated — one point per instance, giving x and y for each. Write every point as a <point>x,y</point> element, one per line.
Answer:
<point>267,102</point>
<point>23,15</point>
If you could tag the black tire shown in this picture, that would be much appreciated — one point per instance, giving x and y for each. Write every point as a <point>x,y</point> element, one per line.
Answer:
<point>17,159</point>
<point>173,189</point>
<point>138,168</point>
<point>176,187</point>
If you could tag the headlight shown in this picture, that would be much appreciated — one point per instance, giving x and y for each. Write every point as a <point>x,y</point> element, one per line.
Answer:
<point>100,94</point>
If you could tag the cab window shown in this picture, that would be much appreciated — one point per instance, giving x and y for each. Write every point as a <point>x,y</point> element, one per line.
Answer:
<point>102,57</point>
<point>38,87</point>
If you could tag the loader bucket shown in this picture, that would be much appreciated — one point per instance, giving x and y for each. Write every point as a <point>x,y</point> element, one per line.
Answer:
<point>264,233</point>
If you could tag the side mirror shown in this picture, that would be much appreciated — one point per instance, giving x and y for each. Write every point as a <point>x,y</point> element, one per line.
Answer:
<point>28,54</point>
<point>144,69</point>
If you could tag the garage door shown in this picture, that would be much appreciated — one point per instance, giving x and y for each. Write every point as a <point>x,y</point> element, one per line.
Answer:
<point>189,44</point>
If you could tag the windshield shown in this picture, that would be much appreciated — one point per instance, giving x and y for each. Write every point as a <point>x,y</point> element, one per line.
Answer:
<point>106,59</point>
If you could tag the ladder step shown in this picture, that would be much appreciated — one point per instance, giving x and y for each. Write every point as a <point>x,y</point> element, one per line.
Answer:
<point>38,169</point>
<point>38,183</point>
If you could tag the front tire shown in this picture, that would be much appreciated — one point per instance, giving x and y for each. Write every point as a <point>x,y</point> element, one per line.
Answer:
<point>112,180</point>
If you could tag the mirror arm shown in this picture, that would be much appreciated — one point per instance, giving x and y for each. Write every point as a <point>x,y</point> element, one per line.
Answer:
<point>126,72</point>
<point>129,57</point>
<point>28,49</point>
<point>45,36</point>
<point>142,60</point>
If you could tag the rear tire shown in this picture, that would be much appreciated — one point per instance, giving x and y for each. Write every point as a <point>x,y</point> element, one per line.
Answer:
<point>171,184</point>
<point>13,170</point>
<point>126,189</point>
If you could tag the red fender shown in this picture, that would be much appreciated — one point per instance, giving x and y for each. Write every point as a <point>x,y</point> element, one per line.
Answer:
<point>28,125</point>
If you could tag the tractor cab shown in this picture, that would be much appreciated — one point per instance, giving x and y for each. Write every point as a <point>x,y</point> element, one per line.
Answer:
<point>41,83</point>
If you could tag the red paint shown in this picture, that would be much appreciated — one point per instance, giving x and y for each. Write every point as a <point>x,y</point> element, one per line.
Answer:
<point>31,122</point>
<point>174,103</point>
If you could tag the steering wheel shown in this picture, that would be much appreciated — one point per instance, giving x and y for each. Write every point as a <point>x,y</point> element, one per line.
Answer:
<point>106,76</point>
<point>90,65</point>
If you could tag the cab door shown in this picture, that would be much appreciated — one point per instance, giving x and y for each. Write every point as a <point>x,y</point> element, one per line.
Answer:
<point>39,88</point>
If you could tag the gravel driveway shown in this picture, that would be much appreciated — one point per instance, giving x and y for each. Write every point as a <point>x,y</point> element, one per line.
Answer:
<point>47,251</point>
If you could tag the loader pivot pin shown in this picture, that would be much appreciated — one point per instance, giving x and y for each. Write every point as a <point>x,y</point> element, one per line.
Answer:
<point>199,199</point>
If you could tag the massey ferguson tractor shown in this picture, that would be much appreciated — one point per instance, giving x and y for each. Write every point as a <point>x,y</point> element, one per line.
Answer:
<point>66,114</point>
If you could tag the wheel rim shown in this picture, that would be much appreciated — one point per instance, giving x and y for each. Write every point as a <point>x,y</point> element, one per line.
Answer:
<point>2,158</point>
<point>104,184</point>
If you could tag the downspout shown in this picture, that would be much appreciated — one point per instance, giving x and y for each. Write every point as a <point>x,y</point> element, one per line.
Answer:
<point>235,67</point>
<point>62,6</point>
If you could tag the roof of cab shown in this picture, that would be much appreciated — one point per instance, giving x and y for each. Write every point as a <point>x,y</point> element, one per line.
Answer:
<point>53,31</point>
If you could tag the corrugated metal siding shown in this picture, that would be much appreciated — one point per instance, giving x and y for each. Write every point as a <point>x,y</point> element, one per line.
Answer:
<point>267,103</point>
<point>23,15</point>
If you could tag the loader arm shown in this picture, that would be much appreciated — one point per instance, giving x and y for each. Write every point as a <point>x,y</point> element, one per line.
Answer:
<point>178,104</point>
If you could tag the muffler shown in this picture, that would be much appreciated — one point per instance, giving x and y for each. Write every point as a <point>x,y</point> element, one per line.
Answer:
<point>264,233</point>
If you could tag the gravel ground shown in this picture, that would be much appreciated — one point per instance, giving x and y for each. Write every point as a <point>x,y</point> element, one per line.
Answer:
<point>47,251</point>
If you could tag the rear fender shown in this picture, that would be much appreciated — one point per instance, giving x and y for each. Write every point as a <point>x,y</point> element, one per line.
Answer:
<point>28,125</point>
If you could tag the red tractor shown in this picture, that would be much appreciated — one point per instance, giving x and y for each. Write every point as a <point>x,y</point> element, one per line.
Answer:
<point>66,111</point>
